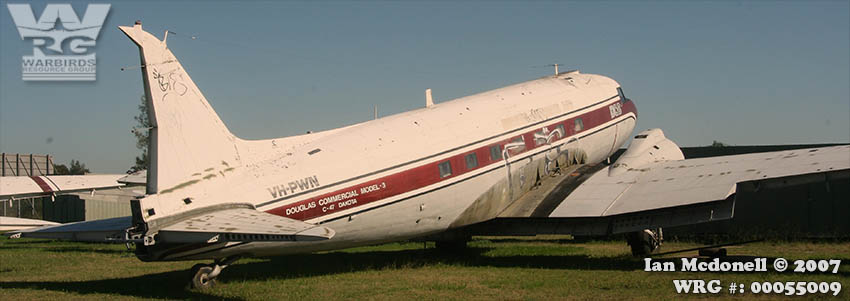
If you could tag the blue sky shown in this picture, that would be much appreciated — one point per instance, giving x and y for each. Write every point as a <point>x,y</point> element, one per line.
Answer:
<point>743,73</point>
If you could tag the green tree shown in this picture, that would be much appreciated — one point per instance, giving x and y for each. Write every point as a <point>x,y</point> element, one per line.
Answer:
<point>60,169</point>
<point>718,144</point>
<point>143,124</point>
<point>76,168</point>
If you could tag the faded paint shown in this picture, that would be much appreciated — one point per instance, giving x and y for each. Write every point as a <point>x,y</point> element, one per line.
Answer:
<point>360,154</point>
<point>180,186</point>
<point>501,195</point>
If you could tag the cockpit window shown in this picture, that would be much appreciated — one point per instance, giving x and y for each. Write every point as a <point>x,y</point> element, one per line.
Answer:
<point>620,93</point>
<point>640,136</point>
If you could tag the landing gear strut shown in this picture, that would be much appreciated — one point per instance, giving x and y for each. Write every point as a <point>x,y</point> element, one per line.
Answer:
<point>203,275</point>
<point>644,242</point>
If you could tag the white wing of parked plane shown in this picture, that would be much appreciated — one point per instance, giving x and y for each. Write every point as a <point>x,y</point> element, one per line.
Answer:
<point>15,223</point>
<point>41,186</point>
<point>136,178</point>
<point>104,230</point>
<point>231,223</point>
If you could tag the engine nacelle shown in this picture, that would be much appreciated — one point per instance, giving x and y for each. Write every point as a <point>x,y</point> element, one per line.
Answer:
<point>647,147</point>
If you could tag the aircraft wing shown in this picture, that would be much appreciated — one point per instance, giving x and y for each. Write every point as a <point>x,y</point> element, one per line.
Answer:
<point>652,186</point>
<point>684,182</point>
<point>136,178</point>
<point>40,186</point>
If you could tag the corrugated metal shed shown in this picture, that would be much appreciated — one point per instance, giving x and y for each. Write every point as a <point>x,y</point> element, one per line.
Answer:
<point>103,204</point>
<point>110,203</point>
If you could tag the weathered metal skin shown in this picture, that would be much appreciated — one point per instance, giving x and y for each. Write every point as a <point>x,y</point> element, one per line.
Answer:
<point>456,168</point>
<point>374,181</point>
<point>524,178</point>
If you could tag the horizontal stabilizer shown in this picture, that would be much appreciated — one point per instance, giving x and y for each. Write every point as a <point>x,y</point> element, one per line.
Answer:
<point>241,224</point>
<point>104,230</point>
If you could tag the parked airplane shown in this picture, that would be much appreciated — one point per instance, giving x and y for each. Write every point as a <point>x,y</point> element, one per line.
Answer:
<point>480,164</point>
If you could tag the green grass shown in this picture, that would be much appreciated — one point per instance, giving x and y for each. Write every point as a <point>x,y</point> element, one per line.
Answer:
<point>539,268</point>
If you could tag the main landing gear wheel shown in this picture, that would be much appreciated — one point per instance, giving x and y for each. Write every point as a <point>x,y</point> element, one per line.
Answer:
<point>203,275</point>
<point>644,242</point>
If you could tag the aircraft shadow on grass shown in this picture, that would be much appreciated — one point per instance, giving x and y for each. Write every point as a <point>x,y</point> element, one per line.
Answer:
<point>305,265</point>
<point>172,284</point>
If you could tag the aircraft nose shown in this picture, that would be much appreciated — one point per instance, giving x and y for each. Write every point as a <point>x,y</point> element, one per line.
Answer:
<point>629,106</point>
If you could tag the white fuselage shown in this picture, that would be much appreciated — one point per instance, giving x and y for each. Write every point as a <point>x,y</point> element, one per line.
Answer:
<point>388,179</point>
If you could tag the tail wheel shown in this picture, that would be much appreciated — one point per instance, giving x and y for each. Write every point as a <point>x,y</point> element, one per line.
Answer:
<point>201,277</point>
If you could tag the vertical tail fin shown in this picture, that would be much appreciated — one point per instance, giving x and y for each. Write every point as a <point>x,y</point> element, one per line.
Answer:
<point>187,136</point>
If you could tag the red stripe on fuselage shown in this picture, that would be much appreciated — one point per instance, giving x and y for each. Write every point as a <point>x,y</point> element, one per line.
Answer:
<point>428,174</point>
<point>41,184</point>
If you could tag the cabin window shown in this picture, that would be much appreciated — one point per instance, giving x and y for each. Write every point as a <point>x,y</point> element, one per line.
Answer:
<point>471,161</point>
<point>621,95</point>
<point>495,153</point>
<point>579,125</point>
<point>445,169</point>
